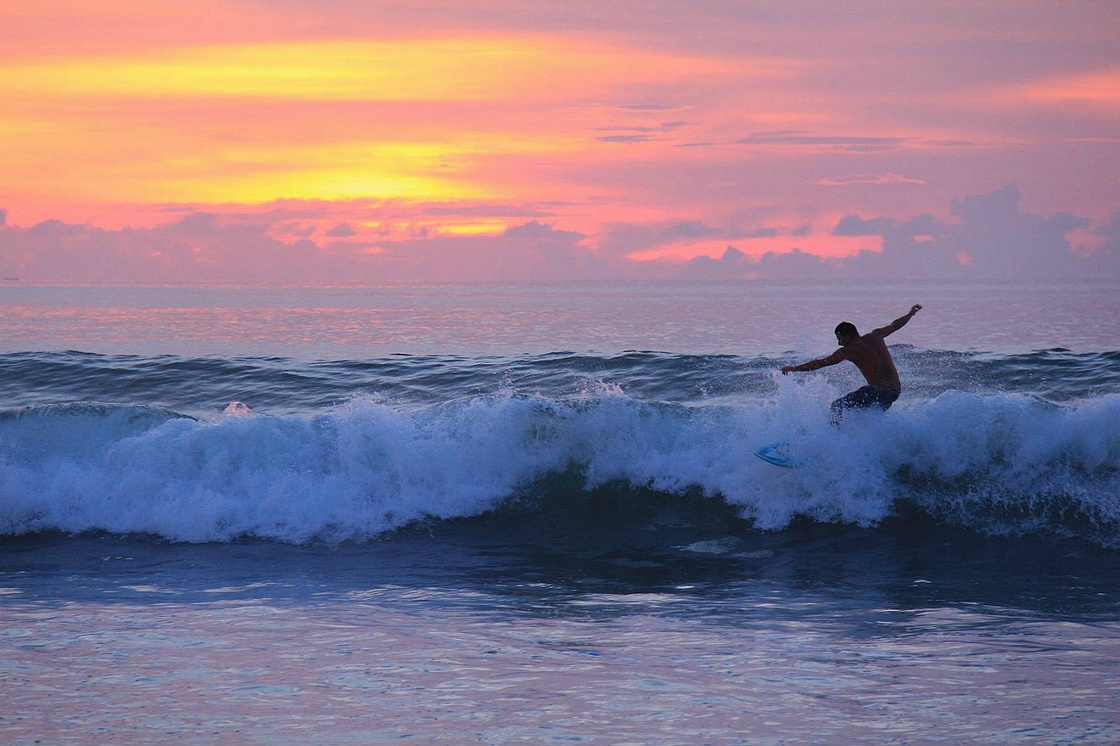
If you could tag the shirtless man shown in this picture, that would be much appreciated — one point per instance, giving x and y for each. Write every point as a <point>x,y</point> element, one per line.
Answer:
<point>870,354</point>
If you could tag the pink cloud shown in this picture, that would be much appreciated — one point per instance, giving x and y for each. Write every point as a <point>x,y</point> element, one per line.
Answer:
<point>1001,240</point>
<point>991,238</point>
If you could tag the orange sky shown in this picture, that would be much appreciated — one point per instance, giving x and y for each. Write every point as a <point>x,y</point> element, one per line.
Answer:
<point>654,131</point>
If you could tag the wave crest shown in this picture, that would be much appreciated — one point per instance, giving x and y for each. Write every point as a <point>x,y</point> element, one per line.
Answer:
<point>994,462</point>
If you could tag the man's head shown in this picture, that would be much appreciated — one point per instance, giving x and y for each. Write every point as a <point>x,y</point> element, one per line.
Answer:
<point>846,333</point>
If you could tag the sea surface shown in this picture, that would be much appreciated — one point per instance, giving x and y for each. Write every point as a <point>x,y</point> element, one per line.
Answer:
<point>533,515</point>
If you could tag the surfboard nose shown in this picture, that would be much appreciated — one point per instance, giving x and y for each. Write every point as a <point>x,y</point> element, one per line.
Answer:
<point>776,454</point>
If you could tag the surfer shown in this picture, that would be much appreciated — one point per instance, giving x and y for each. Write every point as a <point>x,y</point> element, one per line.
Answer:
<point>869,353</point>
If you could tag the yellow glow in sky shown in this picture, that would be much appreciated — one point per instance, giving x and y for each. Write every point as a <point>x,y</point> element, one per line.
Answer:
<point>475,69</point>
<point>135,127</point>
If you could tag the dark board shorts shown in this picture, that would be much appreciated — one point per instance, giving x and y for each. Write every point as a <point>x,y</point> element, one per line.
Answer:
<point>868,396</point>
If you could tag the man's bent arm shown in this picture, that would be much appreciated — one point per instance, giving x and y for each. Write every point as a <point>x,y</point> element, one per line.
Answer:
<point>822,362</point>
<point>898,323</point>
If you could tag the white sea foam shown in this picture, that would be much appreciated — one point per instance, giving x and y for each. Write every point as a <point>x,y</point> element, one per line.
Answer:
<point>1000,462</point>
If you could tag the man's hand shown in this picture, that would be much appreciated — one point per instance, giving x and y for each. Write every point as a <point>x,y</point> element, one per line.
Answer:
<point>915,309</point>
<point>786,369</point>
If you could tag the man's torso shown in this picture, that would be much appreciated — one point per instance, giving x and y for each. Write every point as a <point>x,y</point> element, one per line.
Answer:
<point>871,356</point>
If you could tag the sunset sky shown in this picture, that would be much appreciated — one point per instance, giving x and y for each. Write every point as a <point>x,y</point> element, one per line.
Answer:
<point>494,140</point>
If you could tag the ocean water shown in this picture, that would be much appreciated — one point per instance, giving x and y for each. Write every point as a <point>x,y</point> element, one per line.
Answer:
<point>532,515</point>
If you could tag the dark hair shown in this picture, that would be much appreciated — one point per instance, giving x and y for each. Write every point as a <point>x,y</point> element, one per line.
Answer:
<point>846,329</point>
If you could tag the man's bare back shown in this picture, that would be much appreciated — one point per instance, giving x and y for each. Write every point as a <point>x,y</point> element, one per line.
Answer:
<point>869,353</point>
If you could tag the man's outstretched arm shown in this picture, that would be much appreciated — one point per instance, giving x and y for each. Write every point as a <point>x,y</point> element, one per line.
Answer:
<point>821,362</point>
<point>898,323</point>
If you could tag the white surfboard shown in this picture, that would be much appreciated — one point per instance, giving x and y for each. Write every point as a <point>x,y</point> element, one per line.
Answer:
<point>776,454</point>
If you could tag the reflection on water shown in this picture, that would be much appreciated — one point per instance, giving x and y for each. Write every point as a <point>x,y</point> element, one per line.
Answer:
<point>254,672</point>
<point>454,634</point>
<point>353,323</point>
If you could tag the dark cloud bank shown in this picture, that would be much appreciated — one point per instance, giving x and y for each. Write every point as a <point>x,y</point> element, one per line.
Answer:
<point>990,238</point>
